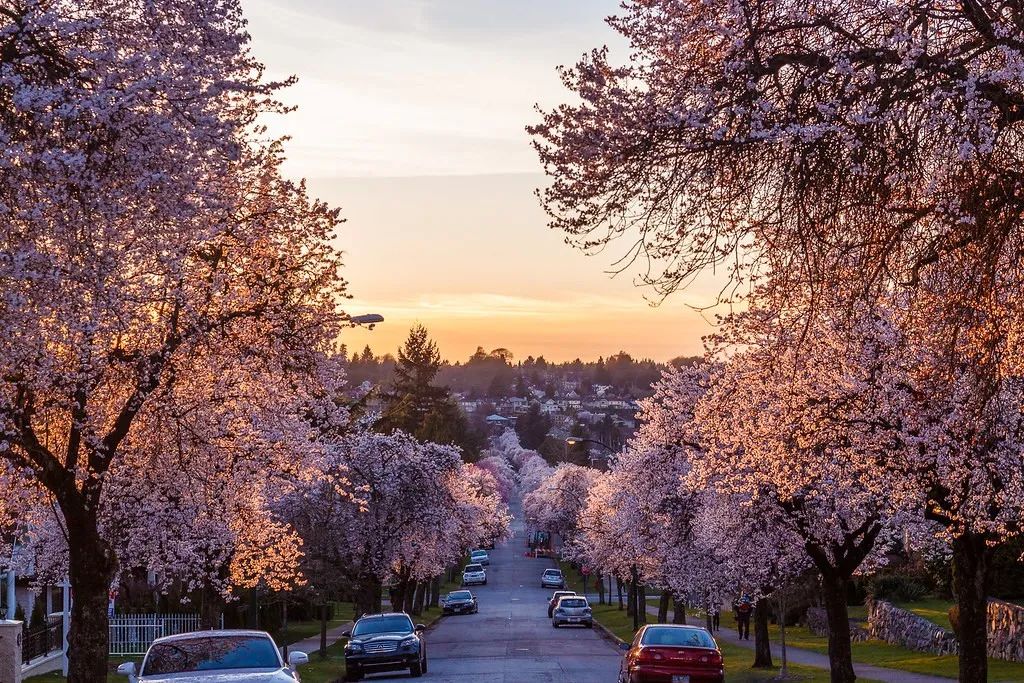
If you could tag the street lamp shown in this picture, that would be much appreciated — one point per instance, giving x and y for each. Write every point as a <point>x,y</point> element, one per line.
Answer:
<point>370,319</point>
<point>576,441</point>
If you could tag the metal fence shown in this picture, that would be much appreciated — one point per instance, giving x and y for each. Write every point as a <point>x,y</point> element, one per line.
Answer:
<point>42,640</point>
<point>132,634</point>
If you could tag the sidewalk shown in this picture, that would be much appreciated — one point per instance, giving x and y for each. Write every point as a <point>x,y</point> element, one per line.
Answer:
<point>312,645</point>
<point>818,660</point>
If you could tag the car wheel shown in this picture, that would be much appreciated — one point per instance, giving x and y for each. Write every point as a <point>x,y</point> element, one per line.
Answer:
<point>554,624</point>
<point>590,624</point>
<point>485,583</point>
<point>416,670</point>
<point>353,675</point>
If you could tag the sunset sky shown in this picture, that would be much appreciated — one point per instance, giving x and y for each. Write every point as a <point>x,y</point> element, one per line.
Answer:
<point>411,117</point>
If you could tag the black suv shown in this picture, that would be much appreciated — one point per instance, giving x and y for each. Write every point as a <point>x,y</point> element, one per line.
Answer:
<point>384,642</point>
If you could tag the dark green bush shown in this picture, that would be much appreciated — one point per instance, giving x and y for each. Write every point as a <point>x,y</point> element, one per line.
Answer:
<point>896,588</point>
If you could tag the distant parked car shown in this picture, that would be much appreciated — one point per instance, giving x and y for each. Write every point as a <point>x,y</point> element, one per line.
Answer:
<point>480,557</point>
<point>385,642</point>
<point>553,600</point>
<point>668,652</point>
<point>215,657</point>
<point>552,578</point>
<point>572,610</point>
<point>460,602</point>
<point>474,573</point>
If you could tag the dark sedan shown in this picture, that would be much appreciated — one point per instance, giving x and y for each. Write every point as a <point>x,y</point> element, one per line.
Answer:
<point>385,642</point>
<point>667,653</point>
<point>459,602</point>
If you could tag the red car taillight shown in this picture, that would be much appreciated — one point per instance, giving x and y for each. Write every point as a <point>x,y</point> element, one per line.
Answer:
<point>649,655</point>
<point>711,658</point>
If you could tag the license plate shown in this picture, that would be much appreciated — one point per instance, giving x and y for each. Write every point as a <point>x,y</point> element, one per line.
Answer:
<point>680,679</point>
<point>573,620</point>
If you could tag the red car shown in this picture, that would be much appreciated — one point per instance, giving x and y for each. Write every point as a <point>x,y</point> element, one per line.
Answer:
<point>669,653</point>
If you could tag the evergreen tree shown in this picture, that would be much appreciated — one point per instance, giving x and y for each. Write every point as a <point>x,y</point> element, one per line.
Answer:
<point>414,394</point>
<point>533,427</point>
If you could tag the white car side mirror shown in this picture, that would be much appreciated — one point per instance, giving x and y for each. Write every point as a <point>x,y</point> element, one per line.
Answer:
<point>297,659</point>
<point>127,669</point>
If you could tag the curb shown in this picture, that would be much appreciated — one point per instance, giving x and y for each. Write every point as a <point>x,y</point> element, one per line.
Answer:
<point>609,636</point>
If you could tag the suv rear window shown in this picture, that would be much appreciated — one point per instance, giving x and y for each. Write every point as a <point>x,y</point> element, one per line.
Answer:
<point>552,572</point>
<point>474,568</point>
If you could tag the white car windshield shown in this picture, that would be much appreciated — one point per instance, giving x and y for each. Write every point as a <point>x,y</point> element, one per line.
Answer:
<point>473,568</point>
<point>572,602</point>
<point>211,654</point>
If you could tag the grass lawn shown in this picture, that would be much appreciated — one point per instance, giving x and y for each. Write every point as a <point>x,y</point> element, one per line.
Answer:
<point>934,610</point>
<point>883,654</point>
<point>300,630</point>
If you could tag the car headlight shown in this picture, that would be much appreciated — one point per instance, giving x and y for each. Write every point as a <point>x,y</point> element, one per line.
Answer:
<point>408,642</point>
<point>354,648</point>
<point>587,611</point>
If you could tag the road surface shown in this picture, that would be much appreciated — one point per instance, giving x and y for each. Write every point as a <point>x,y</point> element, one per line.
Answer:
<point>511,640</point>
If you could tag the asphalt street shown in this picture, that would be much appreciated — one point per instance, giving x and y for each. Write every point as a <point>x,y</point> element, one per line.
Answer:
<point>511,639</point>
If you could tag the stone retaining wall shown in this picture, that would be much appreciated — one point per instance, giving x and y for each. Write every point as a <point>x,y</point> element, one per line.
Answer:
<point>817,622</point>
<point>902,627</point>
<point>1005,631</point>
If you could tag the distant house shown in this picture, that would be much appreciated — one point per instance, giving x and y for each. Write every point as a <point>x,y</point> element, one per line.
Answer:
<point>549,407</point>
<point>497,420</point>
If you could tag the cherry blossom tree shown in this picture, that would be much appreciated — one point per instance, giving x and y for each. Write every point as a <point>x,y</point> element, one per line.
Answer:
<point>145,224</point>
<point>792,137</point>
<point>810,429</point>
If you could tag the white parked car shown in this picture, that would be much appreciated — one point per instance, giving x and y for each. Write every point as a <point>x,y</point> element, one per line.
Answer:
<point>229,656</point>
<point>480,557</point>
<point>474,573</point>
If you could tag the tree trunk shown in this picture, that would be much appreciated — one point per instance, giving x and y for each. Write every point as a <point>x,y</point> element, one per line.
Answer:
<point>840,655</point>
<point>435,592</point>
<point>709,619</point>
<point>600,588</point>
<point>630,598</point>
<point>762,647</point>
<point>666,597</point>
<point>618,587</point>
<point>211,609</point>
<point>678,610</point>
<point>91,567</point>
<point>641,602</point>
<point>971,555</point>
<point>323,630</point>
<point>420,597</point>
<point>252,611</point>
<point>408,596</point>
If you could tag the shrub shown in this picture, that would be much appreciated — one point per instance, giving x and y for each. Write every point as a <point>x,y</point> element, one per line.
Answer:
<point>954,619</point>
<point>896,588</point>
<point>38,618</point>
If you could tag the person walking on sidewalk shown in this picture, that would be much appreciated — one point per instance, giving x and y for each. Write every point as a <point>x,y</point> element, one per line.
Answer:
<point>743,611</point>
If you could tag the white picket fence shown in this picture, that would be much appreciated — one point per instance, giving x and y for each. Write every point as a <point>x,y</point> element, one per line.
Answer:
<point>132,634</point>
